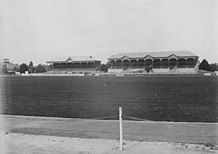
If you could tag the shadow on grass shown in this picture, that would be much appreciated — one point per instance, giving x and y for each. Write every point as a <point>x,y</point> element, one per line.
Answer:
<point>133,145</point>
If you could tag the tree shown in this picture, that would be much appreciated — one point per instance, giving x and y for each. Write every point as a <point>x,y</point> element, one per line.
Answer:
<point>213,67</point>
<point>30,64</point>
<point>16,68</point>
<point>104,68</point>
<point>108,64</point>
<point>31,69</point>
<point>23,67</point>
<point>4,69</point>
<point>40,69</point>
<point>204,65</point>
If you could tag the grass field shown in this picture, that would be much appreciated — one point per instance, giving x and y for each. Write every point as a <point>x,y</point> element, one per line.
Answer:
<point>152,98</point>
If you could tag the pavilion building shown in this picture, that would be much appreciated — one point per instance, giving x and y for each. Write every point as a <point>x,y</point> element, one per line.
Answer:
<point>74,65</point>
<point>172,62</point>
<point>8,68</point>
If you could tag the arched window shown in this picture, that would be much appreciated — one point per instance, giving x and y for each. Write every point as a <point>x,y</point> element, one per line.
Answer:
<point>148,62</point>
<point>141,63</point>
<point>190,62</point>
<point>173,63</point>
<point>133,63</point>
<point>181,63</point>
<point>118,63</point>
<point>126,63</point>
<point>156,63</point>
<point>164,63</point>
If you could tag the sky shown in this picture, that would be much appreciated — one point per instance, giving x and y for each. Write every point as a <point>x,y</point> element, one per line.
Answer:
<point>40,30</point>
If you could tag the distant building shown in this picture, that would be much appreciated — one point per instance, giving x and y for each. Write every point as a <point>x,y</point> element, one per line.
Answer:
<point>172,62</point>
<point>6,67</point>
<point>74,65</point>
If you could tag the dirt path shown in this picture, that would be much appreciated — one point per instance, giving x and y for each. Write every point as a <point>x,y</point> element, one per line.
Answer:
<point>26,144</point>
<point>22,134</point>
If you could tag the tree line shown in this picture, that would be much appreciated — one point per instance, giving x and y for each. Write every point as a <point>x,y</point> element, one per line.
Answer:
<point>33,69</point>
<point>204,65</point>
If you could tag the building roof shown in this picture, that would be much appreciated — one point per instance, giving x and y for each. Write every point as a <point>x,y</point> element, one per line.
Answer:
<point>153,54</point>
<point>73,59</point>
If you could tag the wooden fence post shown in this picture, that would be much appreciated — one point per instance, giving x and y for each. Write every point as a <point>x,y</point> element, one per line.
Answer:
<point>121,129</point>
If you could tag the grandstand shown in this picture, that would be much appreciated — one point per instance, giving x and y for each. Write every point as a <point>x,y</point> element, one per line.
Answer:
<point>74,65</point>
<point>175,62</point>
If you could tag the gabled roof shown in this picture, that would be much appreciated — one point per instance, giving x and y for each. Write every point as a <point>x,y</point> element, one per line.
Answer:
<point>83,58</point>
<point>74,59</point>
<point>153,54</point>
<point>59,59</point>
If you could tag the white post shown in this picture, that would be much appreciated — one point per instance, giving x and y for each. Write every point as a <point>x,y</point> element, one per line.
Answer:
<point>121,129</point>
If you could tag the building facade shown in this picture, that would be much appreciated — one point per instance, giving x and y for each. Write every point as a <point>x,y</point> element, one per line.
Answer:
<point>174,62</point>
<point>74,65</point>
<point>6,67</point>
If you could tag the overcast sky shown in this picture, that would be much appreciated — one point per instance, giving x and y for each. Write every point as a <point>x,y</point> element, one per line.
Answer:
<point>40,30</point>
